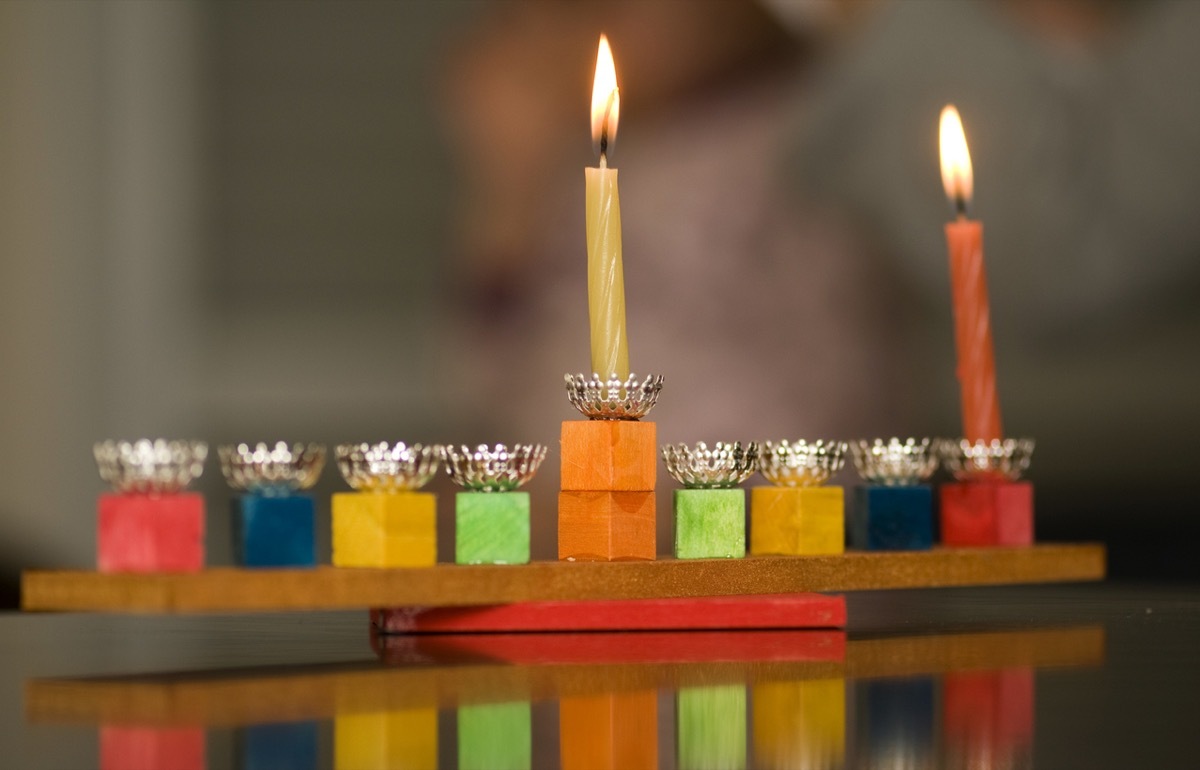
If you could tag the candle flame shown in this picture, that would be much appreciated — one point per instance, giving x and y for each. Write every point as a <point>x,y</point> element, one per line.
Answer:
<point>606,98</point>
<point>956,159</point>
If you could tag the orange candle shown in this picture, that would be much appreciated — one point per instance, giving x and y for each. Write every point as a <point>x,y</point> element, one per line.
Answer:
<point>968,282</point>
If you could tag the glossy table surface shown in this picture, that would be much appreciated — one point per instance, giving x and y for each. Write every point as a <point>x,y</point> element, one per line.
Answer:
<point>1089,676</point>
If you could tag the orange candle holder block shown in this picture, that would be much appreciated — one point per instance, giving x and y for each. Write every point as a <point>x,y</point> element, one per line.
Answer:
<point>797,521</point>
<point>613,731</point>
<point>609,456</point>
<point>606,526</point>
<point>987,513</point>
<point>150,532</point>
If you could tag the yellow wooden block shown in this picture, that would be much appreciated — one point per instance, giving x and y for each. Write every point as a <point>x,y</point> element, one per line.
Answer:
<point>799,724</point>
<point>797,520</point>
<point>386,740</point>
<point>375,529</point>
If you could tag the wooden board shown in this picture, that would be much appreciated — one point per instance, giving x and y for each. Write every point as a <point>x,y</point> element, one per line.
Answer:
<point>553,669</point>
<point>446,585</point>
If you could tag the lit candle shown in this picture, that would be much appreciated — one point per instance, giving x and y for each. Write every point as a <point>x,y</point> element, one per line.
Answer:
<point>968,282</point>
<point>606,279</point>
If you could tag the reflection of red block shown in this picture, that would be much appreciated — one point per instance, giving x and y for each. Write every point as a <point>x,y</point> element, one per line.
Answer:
<point>150,533</point>
<point>149,748</point>
<point>989,713</point>
<point>987,513</point>
<point>606,526</point>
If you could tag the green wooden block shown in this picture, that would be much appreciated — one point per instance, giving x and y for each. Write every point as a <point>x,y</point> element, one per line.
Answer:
<point>491,528</point>
<point>712,727</point>
<point>710,523</point>
<point>495,736</point>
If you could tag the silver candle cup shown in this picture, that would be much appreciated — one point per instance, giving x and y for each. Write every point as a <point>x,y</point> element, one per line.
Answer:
<point>800,463</point>
<point>894,462</point>
<point>272,470</point>
<point>999,460</point>
<point>385,467</point>
<point>722,466</point>
<point>150,466</point>
<point>493,469</point>
<point>599,398</point>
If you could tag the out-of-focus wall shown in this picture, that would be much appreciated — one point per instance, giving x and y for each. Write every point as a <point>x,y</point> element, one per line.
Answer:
<point>219,221</point>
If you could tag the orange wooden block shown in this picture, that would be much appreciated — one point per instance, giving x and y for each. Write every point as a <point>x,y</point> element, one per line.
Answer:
<point>614,731</point>
<point>606,526</point>
<point>609,455</point>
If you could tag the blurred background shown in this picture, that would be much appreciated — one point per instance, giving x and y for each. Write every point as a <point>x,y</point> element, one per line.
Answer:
<point>363,221</point>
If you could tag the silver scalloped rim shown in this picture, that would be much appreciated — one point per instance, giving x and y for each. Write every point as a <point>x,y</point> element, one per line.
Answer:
<point>150,466</point>
<point>598,398</point>
<point>894,462</point>
<point>800,463</point>
<point>272,469</point>
<point>388,467</point>
<point>998,460</point>
<point>723,466</point>
<point>493,469</point>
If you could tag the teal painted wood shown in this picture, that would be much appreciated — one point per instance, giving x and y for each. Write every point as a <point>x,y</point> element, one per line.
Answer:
<point>711,726</point>
<point>491,528</point>
<point>495,736</point>
<point>710,523</point>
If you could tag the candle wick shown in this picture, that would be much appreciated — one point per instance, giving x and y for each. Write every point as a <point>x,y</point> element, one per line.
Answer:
<point>604,147</point>
<point>960,205</point>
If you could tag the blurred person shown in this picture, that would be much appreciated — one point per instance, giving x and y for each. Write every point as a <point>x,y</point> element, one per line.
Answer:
<point>764,312</point>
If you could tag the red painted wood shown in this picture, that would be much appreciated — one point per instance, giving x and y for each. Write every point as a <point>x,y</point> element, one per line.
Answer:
<point>983,513</point>
<point>804,610</point>
<point>152,748</point>
<point>600,648</point>
<point>150,533</point>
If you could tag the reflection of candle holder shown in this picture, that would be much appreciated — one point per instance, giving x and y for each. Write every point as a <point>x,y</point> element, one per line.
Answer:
<point>491,516</point>
<point>989,504</point>
<point>598,398</point>
<point>150,522</point>
<point>274,523</point>
<point>387,521</point>
<point>710,512</point>
<point>894,509</point>
<point>798,515</point>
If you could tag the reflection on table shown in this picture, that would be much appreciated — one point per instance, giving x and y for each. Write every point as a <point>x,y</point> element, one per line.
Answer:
<point>770,699</point>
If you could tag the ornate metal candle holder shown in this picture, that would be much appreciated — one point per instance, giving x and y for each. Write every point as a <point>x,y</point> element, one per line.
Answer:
<point>493,469</point>
<point>721,467</point>
<point>999,460</point>
<point>385,467</point>
<point>801,463</point>
<point>147,466</point>
<point>894,462</point>
<point>272,470</point>
<point>598,398</point>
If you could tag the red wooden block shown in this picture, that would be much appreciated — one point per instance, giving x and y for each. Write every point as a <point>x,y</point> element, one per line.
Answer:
<point>989,714</point>
<point>708,612</point>
<point>987,513</point>
<point>616,648</point>
<point>606,526</point>
<point>609,455</point>
<point>150,533</point>
<point>152,748</point>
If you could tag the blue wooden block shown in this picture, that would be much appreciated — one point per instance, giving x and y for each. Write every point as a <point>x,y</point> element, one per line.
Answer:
<point>274,531</point>
<point>284,746</point>
<point>892,518</point>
